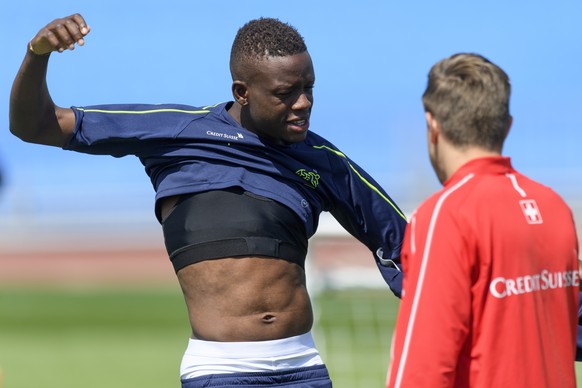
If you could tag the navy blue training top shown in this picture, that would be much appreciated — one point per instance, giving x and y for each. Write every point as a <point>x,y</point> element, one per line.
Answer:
<point>188,149</point>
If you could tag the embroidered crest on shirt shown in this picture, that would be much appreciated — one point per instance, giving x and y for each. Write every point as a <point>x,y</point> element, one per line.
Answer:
<point>312,177</point>
<point>530,211</point>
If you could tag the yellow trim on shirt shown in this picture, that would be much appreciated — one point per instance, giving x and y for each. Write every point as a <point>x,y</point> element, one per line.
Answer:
<point>141,112</point>
<point>371,186</point>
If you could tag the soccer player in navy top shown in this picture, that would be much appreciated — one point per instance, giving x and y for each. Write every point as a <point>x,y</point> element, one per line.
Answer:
<point>239,189</point>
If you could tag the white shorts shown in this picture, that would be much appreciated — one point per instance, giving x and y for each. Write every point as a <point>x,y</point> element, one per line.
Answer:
<point>208,357</point>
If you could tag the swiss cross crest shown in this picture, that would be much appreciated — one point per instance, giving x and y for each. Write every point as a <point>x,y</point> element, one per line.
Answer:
<point>530,211</point>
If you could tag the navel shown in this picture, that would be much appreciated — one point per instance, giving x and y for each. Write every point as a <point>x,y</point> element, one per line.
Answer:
<point>268,318</point>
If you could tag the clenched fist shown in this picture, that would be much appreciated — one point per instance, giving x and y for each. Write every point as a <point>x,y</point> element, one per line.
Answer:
<point>60,35</point>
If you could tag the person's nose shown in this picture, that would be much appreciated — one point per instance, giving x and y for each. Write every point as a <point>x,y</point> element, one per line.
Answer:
<point>304,101</point>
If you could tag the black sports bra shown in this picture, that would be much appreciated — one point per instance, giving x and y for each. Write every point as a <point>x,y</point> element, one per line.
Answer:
<point>230,223</point>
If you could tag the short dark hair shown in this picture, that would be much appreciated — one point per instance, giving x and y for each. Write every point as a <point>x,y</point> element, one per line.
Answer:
<point>264,37</point>
<point>469,96</point>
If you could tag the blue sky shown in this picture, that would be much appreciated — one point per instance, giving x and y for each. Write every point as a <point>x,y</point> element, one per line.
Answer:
<point>371,59</point>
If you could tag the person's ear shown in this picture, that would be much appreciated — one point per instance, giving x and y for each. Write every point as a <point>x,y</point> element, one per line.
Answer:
<point>240,92</point>
<point>433,127</point>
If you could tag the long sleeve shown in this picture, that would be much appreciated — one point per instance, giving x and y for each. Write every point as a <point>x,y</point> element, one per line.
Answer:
<point>368,213</point>
<point>434,317</point>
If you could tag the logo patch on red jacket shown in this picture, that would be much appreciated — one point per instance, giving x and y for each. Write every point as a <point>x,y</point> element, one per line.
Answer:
<point>531,212</point>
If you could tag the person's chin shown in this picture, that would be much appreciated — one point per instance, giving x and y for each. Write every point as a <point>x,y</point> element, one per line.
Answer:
<point>297,132</point>
<point>296,137</point>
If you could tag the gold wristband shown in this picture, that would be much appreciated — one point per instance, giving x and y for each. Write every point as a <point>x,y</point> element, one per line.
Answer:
<point>32,50</point>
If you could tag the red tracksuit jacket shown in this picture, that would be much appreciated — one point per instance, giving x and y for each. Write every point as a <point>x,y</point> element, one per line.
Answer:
<point>490,285</point>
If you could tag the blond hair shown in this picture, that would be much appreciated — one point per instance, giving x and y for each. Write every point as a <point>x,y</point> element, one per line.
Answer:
<point>469,96</point>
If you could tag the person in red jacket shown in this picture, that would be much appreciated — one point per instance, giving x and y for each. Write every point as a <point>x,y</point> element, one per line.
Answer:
<point>490,292</point>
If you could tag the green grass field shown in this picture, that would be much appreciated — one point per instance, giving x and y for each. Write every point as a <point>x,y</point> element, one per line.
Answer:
<point>136,337</point>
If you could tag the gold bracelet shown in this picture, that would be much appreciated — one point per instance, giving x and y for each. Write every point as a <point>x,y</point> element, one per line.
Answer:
<point>30,47</point>
<point>32,50</point>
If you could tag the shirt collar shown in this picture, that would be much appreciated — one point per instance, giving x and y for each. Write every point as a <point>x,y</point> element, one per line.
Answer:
<point>480,166</point>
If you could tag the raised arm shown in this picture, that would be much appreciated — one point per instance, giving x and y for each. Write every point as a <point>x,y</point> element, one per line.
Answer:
<point>34,117</point>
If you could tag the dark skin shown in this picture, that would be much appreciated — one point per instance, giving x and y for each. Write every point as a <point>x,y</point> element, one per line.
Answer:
<point>230,299</point>
<point>275,97</point>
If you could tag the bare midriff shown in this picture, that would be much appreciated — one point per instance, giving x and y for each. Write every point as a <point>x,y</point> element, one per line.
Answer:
<point>246,299</point>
